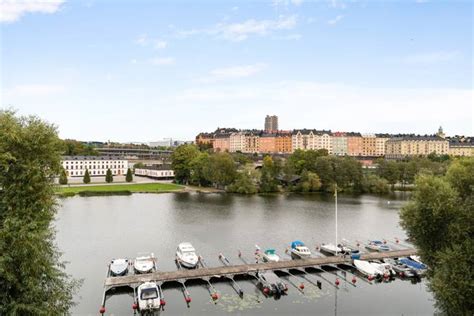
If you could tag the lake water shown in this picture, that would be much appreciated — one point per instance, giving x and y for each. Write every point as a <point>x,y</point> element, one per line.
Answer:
<point>93,230</point>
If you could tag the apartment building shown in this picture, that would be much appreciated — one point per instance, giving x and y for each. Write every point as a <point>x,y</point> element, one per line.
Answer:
<point>76,166</point>
<point>415,145</point>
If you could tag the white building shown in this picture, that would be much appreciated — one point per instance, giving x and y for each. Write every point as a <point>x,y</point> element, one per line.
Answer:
<point>237,142</point>
<point>156,172</point>
<point>76,166</point>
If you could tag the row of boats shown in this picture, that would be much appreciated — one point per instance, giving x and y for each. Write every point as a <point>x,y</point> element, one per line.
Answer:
<point>149,295</point>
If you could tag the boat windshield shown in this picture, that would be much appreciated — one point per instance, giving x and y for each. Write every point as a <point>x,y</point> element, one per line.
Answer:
<point>150,293</point>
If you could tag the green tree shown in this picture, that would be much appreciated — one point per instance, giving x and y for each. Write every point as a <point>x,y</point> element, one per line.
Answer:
<point>223,170</point>
<point>109,177</point>
<point>129,176</point>
<point>181,162</point>
<point>73,147</point>
<point>310,182</point>
<point>201,169</point>
<point>389,170</point>
<point>440,221</point>
<point>63,177</point>
<point>138,165</point>
<point>32,277</point>
<point>269,172</point>
<point>87,177</point>
<point>244,184</point>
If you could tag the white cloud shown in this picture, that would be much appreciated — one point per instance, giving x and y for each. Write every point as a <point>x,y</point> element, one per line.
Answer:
<point>13,10</point>
<point>162,61</point>
<point>33,90</point>
<point>337,4</point>
<point>241,31</point>
<point>432,57</point>
<point>144,40</point>
<point>286,3</point>
<point>336,20</point>
<point>237,71</point>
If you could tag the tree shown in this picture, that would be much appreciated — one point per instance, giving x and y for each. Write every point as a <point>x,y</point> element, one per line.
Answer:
<point>389,170</point>
<point>109,177</point>
<point>63,177</point>
<point>270,170</point>
<point>222,169</point>
<point>73,148</point>
<point>129,176</point>
<point>87,177</point>
<point>201,169</point>
<point>32,277</point>
<point>243,184</point>
<point>139,165</point>
<point>440,221</point>
<point>181,162</point>
<point>310,182</point>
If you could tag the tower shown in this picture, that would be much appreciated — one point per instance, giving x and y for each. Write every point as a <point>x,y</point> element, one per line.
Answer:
<point>271,123</point>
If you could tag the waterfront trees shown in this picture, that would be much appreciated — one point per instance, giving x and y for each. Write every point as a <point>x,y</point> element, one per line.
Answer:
<point>87,177</point>
<point>270,170</point>
<point>223,170</point>
<point>129,176</point>
<point>181,162</point>
<point>440,221</point>
<point>32,277</point>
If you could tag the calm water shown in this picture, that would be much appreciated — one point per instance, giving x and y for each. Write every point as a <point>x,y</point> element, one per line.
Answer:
<point>93,230</point>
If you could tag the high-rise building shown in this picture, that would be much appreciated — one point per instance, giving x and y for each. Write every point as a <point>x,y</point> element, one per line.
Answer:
<point>271,123</point>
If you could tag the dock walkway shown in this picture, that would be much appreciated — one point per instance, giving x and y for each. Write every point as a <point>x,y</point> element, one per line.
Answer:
<point>232,270</point>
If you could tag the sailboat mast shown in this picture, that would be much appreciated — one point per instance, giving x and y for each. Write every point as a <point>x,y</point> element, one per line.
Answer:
<point>335,197</point>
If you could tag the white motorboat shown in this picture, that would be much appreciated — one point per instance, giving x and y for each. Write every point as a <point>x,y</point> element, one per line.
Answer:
<point>299,250</point>
<point>385,269</point>
<point>186,255</point>
<point>149,298</point>
<point>377,245</point>
<point>145,263</point>
<point>368,269</point>
<point>331,249</point>
<point>269,255</point>
<point>119,267</point>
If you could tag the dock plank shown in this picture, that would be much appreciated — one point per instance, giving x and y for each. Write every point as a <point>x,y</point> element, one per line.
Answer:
<point>245,268</point>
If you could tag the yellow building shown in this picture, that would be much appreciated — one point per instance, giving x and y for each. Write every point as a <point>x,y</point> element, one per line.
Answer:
<point>414,145</point>
<point>462,147</point>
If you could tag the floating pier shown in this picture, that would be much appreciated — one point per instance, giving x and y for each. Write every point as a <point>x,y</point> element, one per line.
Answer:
<point>229,271</point>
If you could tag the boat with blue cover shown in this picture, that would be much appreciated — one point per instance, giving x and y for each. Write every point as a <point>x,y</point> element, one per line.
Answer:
<point>299,250</point>
<point>377,245</point>
<point>419,267</point>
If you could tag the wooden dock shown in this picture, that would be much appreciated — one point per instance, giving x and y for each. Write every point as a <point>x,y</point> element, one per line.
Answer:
<point>232,270</point>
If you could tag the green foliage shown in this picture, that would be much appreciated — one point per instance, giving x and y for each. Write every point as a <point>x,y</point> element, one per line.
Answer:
<point>372,183</point>
<point>201,169</point>
<point>223,170</point>
<point>87,177</point>
<point>389,170</point>
<point>109,177</point>
<point>32,277</point>
<point>440,220</point>
<point>129,176</point>
<point>63,177</point>
<point>181,162</point>
<point>270,170</point>
<point>244,184</point>
<point>310,182</point>
<point>139,165</point>
<point>74,148</point>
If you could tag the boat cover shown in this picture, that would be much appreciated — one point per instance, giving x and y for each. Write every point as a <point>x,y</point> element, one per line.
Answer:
<point>270,251</point>
<point>296,243</point>
<point>412,263</point>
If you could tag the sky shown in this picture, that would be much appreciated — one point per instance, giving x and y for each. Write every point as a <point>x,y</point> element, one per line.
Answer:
<point>145,70</point>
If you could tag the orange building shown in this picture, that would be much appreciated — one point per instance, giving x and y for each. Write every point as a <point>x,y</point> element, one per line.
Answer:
<point>283,142</point>
<point>204,138</point>
<point>369,145</point>
<point>354,144</point>
<point>221,143</point>
<point>267,143</point>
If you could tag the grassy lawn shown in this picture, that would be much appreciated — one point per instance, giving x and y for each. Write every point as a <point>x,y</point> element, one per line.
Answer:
<point>138,187</point>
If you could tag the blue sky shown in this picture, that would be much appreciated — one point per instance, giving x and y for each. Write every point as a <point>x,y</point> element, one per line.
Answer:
<point>144,70</point>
